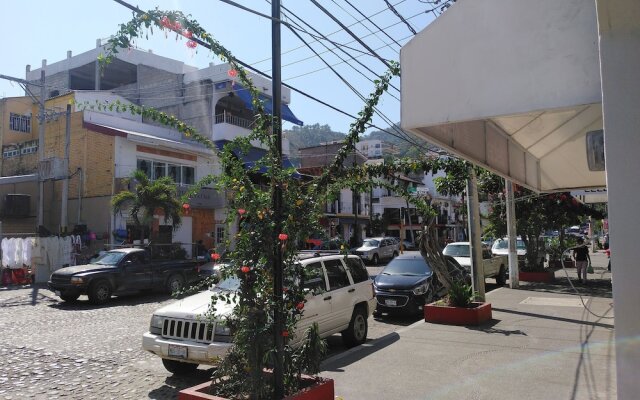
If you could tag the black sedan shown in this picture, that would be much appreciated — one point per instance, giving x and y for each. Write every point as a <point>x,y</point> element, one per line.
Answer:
<point>405,285</point>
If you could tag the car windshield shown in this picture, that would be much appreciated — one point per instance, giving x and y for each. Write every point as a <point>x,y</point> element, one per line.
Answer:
<point>370,243</point>
<point>230,284</point>
<point>109,258</point>
<point>456,250</point>
<point>407,267</point>
<point>504,244</point>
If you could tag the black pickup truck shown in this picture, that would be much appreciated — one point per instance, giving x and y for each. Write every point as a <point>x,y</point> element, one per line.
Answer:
<point>122,271</point>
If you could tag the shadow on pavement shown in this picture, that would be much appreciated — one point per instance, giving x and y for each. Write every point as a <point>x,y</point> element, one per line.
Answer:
<point>118,301</point>
<point>543,316</point>
<point>489,328</point>
<point>174,384</point>
<point>593,288</point>
<point>337,363</point>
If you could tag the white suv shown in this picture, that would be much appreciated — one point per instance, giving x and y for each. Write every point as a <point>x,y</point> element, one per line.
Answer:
<point>378,248</point>
<point>340,299</point>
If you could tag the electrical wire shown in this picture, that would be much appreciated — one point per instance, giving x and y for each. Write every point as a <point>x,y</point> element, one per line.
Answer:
<point>586,307</point>
<point>393,9</point>
<point>342,59</point>
<point>333,33</point>
<point>353,35</point>
<point>367,28</point>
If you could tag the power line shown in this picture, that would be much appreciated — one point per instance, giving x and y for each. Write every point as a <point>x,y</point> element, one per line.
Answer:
<point>285,23</point>
<point>393,9</point>
<point>366,27</point>
<point>363,44</point>
<point>373,23</point>
<point>333,33</point>
<point>343,60</point>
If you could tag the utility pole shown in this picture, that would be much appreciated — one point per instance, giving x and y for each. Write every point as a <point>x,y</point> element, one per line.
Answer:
<point>475,245</point>
<point>41,120</point>
<point>355,202</point>
<point>512,237</point>
<point>65,182</point>
<point>278,317</point>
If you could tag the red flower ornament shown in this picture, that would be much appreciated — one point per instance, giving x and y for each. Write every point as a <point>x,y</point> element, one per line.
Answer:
<point>232,73</point>
<point>187,33</point>
<point>191,44</point>
<point>164,21</point>
<point>285,333</point>
<point>283,236</point>
<point>300,306</point>
<point>215,256</point>
<point>245,269</point>
<point>241,211</point>
<point>177,25</point>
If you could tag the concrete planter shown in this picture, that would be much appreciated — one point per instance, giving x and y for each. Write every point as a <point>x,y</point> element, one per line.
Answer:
<point>317,389</point>
<point>477,314</point>
<point>541,276</point>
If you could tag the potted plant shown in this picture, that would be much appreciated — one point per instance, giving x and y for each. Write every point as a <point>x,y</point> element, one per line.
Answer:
<point>458,308</point>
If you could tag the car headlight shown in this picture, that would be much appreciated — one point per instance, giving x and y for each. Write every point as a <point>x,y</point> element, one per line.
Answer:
<point>156,324</point>
<point>77,280</point>
<point>422,289</point>
<point>222,329</point>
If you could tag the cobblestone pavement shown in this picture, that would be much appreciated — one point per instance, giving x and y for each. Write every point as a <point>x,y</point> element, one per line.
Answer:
<point>53,350</point>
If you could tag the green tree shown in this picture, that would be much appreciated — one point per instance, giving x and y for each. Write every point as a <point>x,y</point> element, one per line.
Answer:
<point>146,197</point>
<point>266,234</point>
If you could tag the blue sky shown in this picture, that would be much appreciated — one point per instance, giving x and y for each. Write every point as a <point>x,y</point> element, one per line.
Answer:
<point>43,29</point>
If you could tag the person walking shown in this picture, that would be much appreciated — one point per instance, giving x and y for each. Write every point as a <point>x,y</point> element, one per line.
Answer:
<point>581,255</point>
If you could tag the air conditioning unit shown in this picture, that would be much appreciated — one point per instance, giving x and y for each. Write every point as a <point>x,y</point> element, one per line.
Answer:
<point>16,205</point>
<point>53,168</point>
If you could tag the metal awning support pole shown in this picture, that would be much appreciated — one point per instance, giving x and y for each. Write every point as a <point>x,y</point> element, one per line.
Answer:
<point>473,211</point>
<point>511,233</point>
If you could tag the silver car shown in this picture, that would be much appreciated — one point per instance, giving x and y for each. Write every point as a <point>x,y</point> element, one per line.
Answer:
<point>373,250</point>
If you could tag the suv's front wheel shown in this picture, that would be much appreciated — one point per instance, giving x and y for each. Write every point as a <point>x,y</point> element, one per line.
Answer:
<point>356,333</point>
<point>178,367</point>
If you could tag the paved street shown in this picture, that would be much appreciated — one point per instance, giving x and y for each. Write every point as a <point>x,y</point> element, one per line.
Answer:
<point>49,349</point>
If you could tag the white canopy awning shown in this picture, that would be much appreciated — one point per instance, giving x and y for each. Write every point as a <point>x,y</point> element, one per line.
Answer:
<point>511,86</point>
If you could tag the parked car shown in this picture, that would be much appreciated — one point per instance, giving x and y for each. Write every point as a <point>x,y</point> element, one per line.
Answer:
<point>120,271</point>
<point>373,250</point>
<point>501,248</point>
<point>339,299</point>
<point>494,266</point>
<point>406,284</point>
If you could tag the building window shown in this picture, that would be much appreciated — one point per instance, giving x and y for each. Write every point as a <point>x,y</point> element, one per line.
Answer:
<point>10,153</point>
<point>180,174</point>
<point>219,234</point>
<point>20,123</point>
<point>29,147</point>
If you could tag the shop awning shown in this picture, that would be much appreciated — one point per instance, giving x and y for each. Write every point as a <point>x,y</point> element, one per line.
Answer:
<point>254,155</point>
<point>267,102</point>
<point>519,94</point>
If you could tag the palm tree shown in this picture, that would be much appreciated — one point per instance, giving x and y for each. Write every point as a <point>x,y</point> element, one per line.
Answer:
<point>146,197</point>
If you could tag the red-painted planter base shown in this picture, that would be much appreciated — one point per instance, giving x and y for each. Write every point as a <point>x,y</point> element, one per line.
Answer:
<point>542,276</point>
<point>476,315</point>
<point>320,390</point>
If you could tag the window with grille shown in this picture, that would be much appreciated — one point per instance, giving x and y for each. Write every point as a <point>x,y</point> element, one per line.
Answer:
<point>20,123</point>
<point>181,174</point>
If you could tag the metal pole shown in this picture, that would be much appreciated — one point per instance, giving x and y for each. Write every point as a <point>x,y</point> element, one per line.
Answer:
<point>278,370</point>
<point>511,233</point>
<point>41,123</point>
<point>475,244</point>
<point>411,239</point>
<point>65,182</point>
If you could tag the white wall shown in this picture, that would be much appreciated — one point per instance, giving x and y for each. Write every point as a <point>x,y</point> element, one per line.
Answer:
<point>469,63</point>
<point>619,26</point>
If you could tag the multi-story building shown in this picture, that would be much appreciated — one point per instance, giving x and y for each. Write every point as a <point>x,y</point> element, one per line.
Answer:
<point>349,212</point>
<point>106,147</point>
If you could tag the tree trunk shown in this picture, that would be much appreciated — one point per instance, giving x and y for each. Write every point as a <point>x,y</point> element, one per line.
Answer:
<point>446,273</point>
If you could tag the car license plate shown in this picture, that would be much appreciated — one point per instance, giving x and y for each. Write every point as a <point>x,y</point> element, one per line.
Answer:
<point>390,302</point>
<point>177,351</point>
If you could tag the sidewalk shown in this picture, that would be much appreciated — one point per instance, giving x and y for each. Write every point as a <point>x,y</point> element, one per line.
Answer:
<point>541,344</point>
